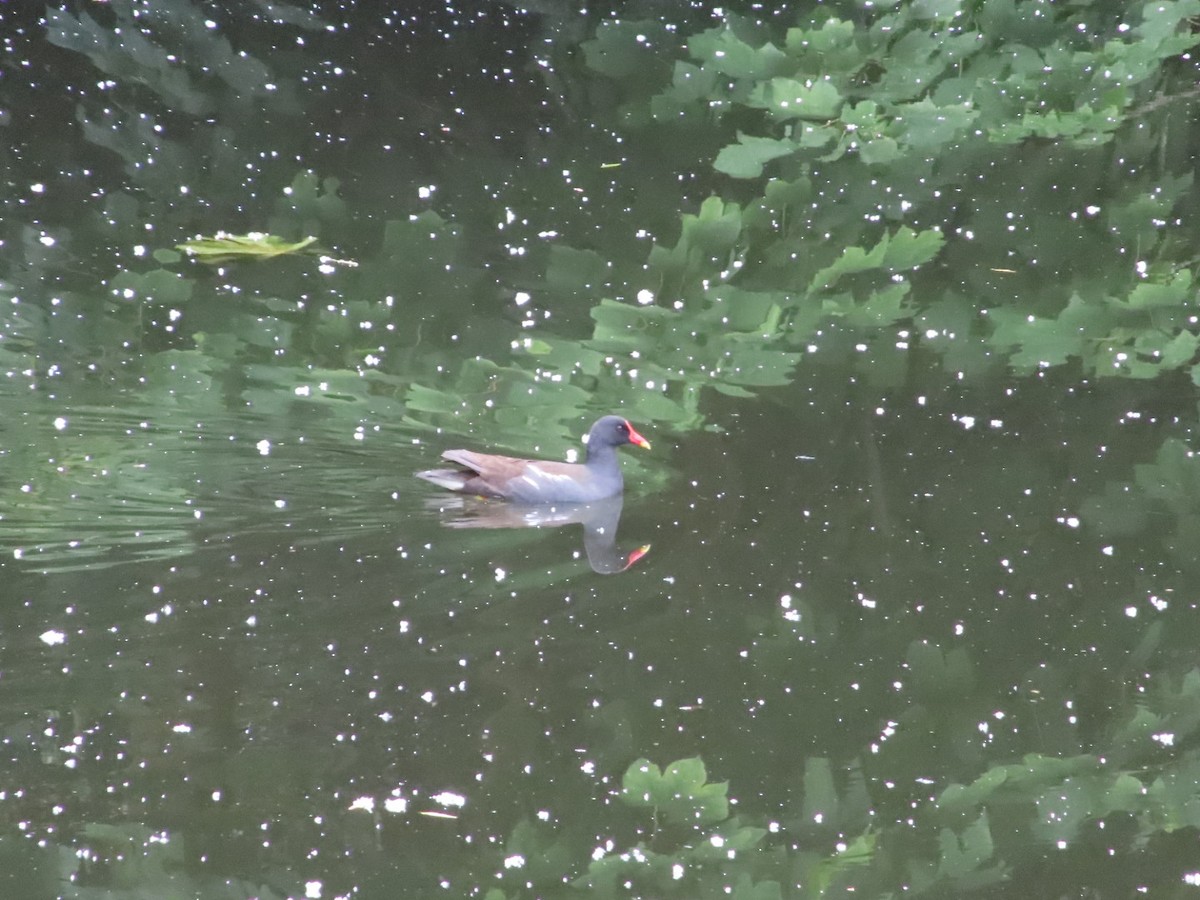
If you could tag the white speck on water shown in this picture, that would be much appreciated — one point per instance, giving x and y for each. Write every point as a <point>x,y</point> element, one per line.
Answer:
<point>53,638</point>
<point>449,798</point>
<point>264,447</point>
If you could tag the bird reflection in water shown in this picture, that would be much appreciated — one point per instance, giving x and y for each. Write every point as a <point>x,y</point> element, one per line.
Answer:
<point>600,520</point>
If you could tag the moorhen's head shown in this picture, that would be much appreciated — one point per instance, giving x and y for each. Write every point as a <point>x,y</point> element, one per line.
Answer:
<point>613,431</point>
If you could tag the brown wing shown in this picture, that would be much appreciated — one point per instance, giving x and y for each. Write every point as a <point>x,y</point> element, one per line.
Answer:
<point>486,473</point>
<point>493,474</point>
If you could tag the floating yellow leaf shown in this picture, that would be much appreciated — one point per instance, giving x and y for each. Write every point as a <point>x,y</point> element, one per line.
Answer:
<point>255,245</point>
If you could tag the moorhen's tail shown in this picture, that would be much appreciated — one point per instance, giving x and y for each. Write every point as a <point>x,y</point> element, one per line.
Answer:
<point>450,479</point>
<point>470,466</point>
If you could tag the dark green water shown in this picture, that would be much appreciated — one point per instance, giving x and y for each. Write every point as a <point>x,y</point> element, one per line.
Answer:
<point>919,592</point>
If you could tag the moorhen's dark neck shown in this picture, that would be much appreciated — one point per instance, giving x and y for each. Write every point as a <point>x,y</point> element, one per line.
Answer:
<point>601,455</point>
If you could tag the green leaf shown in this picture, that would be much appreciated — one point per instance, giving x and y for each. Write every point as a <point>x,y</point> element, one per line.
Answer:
<point>720,49</point>
<point>853,259</point>
<point>569,270</point>
<point>820,795</point>
<point>881,308</point>
<point>717,227</point>
<point>909,249</point>
<point>753,365</point>
<point>758,312</point>
<point>1165,23</point>
<point>904,250</point>
<point>959,799</point>
<point>691,83</point>
<point>964,854</point>
<point>157,286</point>
<point>746,158</point>
<point>624,49</point>
<point>859,852</point>
<point>941,10</point>
<point>642,784</point>
<point>1152,295</point>
<point>814,137</point>
<point>1041,342</point>
<point>746,889</point>
<point>787,99</point>
<point>680,793</point>
<point>928,126</point>
<point>879,151</point>
<point>862,117</point>
<point>830,48</point>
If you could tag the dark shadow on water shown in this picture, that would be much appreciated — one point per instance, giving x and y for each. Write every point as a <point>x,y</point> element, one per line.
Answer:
<point>600,521</point>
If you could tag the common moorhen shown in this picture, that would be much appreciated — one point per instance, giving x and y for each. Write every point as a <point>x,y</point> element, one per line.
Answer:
<point>542,481</point>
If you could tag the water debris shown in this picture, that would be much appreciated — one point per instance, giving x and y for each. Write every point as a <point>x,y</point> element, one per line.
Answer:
<point>223,248</point>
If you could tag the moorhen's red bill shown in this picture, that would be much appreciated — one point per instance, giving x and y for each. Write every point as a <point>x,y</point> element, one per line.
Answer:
<point>543,481</point>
